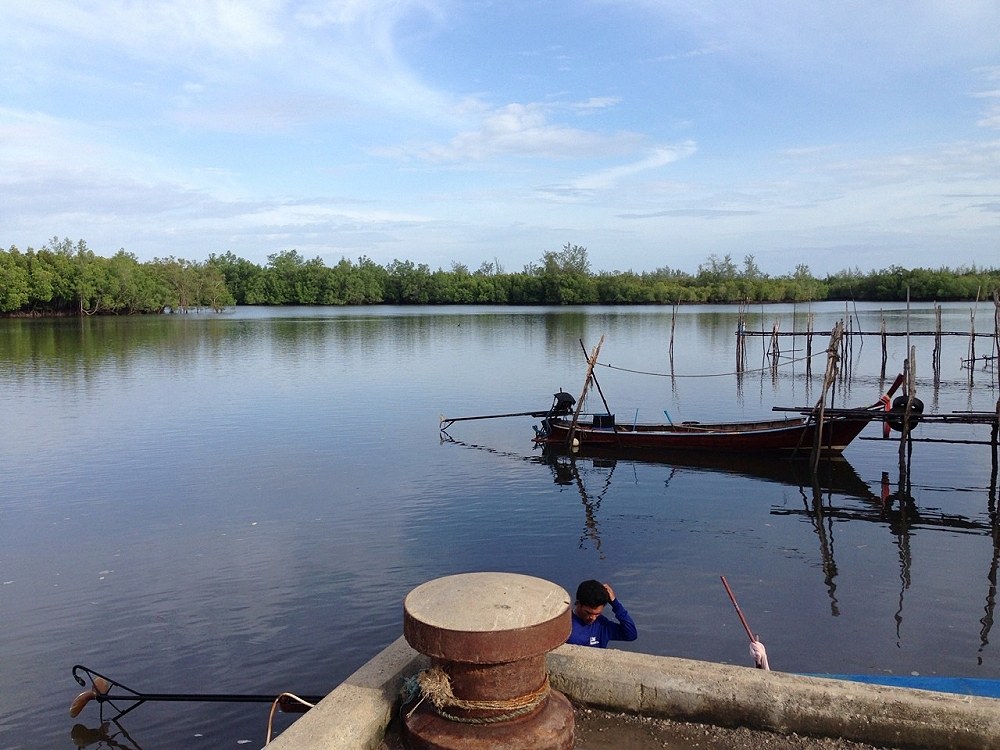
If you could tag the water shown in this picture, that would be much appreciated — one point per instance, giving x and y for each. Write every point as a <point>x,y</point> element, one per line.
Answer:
<point>239,503</point>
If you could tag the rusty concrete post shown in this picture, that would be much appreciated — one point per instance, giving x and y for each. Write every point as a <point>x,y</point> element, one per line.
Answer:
<point>488,633</point>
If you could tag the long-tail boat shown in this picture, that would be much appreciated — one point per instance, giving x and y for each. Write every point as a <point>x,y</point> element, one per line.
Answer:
<point>785,435</point>
<point>815,431</point>
<point>810,433</point>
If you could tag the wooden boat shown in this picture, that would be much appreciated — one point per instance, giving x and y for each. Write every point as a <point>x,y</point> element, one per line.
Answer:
<point>805,435</point>
<point>813,432</point>
<point>795,435</point>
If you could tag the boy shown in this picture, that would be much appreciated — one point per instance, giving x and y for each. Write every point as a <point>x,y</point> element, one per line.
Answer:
<point>590,626</point>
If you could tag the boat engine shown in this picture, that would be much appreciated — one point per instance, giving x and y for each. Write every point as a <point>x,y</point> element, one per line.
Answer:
<point>562,403</point>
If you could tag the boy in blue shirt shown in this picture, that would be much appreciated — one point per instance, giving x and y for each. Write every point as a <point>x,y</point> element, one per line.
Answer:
<point>590,626</point>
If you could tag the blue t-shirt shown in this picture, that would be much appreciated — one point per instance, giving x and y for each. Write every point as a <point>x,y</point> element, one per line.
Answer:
<point>602,630</point>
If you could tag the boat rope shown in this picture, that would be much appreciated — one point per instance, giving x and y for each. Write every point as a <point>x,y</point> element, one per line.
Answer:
<point>274,707</point>
<point>709,375</point>
<point>435,685</point>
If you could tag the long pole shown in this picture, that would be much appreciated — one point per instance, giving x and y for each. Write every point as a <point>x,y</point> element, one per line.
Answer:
<point>582,346</point>
<point>591,361</point>
<point>102,690</point>
<point>739,611</point>
<point>447,422</point>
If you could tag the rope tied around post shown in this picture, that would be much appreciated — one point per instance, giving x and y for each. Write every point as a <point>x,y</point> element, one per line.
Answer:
<point>435,685</point>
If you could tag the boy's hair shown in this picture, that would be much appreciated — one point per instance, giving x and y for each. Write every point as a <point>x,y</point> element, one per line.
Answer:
<point>592,594</point>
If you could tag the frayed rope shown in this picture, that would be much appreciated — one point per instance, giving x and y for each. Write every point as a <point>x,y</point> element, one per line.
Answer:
<point>435,685</point>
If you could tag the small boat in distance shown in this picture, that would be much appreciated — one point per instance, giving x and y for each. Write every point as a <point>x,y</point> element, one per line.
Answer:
<point>788,436</point>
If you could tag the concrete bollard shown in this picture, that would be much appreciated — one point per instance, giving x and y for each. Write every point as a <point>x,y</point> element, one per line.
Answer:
<point>487,635</point>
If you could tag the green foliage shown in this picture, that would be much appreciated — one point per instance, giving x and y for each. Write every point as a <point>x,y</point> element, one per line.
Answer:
<point>66,277</point>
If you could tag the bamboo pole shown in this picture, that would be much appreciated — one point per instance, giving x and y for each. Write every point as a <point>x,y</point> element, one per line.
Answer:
<point>972,336</point>
<point>828,377</point>
<point>905,439</point>
<point>592,375</point>
<point>936,361</point>
<point>809,344</point>
<point>846,345</point>
<point>884,351</point>
<point>673,326</point>
<point>591,361</point>
<point>775,349</point>
<point>741,339</point>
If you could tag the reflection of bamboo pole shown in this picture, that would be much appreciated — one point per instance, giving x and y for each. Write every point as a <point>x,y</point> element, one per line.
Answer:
<point>994,434</point>
<point>991,594</point>
<point>828,563</point>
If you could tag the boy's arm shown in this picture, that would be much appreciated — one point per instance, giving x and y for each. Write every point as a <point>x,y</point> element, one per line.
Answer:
<point>624,629</point>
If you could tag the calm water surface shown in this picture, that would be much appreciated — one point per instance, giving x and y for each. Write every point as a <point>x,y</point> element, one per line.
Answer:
<point>239,503</point>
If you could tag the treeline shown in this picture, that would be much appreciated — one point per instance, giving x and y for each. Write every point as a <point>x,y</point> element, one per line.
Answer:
<point>68,278</point>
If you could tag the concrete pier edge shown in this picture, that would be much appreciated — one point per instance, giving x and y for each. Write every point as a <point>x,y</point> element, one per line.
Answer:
<point>356,714</point>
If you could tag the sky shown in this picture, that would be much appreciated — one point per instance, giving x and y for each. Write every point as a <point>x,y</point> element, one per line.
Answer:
<point>655,133</point>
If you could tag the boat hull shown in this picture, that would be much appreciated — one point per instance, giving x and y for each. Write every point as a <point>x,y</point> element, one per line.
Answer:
<point>785,436</point>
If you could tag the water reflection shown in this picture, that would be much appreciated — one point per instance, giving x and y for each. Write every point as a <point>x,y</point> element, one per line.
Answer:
<point>897,510</point>
<point>834,495</point>
<point>835,476</point>
<point>103,736</point>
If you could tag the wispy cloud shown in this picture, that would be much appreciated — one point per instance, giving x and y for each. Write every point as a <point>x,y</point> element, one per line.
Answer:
<point>658,157</point>
<point>807,34</point>
<point>517,130</point>
<point>210,58</point>
<point>697,213</point>
<point>991,117</point>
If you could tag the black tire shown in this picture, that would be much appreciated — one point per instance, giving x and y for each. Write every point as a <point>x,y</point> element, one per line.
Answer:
<point>895,419</point>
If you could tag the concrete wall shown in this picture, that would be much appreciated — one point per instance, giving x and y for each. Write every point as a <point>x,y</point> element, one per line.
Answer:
<point>355,715</point>
<point>742,696</point>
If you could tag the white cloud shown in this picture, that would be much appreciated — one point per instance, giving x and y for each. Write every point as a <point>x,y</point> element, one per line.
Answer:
<point>519,130</point>
<point>307,60</point>
<point>597,103</point>
<point>181,33</point>
<point>658,157</point>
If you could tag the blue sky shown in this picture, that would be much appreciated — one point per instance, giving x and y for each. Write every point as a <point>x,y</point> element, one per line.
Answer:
<point>655,133</point>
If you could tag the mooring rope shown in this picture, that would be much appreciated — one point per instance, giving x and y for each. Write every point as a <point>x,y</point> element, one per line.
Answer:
<point>709,375</point>
<point>435,685</point>
<point>274,707</point>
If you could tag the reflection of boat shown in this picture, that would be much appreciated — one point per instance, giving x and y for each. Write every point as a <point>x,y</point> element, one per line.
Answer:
<point>899,513</point>
<point>835,475</point>
<point>789,436</point>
